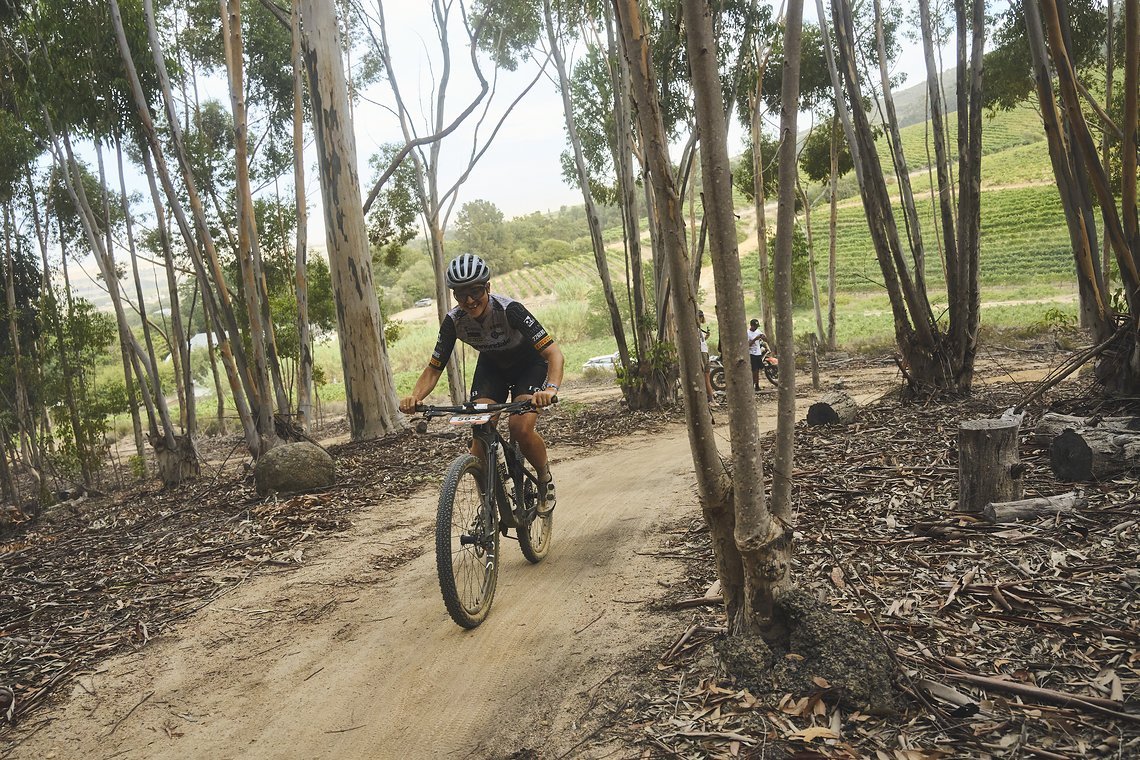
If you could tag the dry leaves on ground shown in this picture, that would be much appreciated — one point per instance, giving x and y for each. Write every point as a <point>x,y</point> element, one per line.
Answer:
<point>1012,640</point>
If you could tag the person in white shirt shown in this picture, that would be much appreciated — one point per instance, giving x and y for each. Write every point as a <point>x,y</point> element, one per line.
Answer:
<point>756,342</point>
<point>704,332</point>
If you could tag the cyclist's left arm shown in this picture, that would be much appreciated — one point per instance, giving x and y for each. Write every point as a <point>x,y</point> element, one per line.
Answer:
<point>522,320</point>
<point>555,363</point>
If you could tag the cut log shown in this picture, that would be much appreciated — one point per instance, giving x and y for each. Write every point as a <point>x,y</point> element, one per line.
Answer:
<point>1093,454</point>
<point>1052,425</point>
<point>1012,511</point>
<point>835,408</point>
<point>989,466</point>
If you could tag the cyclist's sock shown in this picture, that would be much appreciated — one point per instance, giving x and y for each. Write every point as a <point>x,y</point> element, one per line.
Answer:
<point>546,500</point>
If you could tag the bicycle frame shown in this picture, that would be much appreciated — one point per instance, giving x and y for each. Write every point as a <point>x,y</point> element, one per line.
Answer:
<point>511,507</point>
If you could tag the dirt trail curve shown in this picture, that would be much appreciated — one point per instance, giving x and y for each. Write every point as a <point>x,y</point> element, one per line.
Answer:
<point>345,658</point>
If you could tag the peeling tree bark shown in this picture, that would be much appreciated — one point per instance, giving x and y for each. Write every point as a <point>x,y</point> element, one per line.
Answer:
<point>369,391</point>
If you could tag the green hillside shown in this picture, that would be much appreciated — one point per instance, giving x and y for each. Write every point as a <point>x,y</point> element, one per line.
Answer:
<point>1024,238</point>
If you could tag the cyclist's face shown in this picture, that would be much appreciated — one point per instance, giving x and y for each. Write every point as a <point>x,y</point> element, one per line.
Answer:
<point>471,298</point>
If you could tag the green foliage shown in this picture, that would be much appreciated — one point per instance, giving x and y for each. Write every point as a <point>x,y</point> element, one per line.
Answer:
<point>1009,73</point>
<point>392,219</point>
<point>743,176</point>
<point>815,156</point>
<point>393,330</point>
<point>479,229</point>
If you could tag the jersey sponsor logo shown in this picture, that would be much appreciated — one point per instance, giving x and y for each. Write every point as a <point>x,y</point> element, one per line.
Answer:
<point>529,321</point>
<point>545,341</point>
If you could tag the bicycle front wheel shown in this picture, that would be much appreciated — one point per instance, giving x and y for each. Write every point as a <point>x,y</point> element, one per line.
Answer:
<point>534,530</point>
<point>466,544</point>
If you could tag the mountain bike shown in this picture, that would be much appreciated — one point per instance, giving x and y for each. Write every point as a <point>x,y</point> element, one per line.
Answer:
<point>771,369</point>
<point>481,498</point>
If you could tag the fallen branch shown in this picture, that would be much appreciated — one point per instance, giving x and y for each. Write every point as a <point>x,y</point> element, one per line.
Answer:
<point>1012,511</point>
<point>1051,696</point>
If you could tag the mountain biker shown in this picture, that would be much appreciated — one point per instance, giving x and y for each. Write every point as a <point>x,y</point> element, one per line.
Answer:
<point>757,341</point>
<point>516,355</point>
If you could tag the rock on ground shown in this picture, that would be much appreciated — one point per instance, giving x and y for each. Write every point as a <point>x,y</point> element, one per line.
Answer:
<point>294,467</point>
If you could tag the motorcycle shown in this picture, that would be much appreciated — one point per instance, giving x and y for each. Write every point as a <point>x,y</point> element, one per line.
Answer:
<point>771,369</point>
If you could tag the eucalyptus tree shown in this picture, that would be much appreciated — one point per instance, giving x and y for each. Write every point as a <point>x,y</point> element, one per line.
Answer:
<point>935,356</point>
<point>1019,67</point>
<point>1054,54</point>
<point>369,388</point>
<point>751,543</point>
<point>825,158</point>
<point>495,28</point>
<point>559,32</point>
<point>97,106</point>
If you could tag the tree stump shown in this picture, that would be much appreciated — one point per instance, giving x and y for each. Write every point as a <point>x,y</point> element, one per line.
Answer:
<point>835,408</point>
<point>1052,425</point>
<point>177,464</point>
<point>989,465</point>
<point>1012,511</point>
<point>1093,454</point>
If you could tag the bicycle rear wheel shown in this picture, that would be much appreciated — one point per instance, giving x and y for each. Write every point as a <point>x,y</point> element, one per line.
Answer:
<point>534,530</point>
<point>466,545</point>
<point>772,372</point>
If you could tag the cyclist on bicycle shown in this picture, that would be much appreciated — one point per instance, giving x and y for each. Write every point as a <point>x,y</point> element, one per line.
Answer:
<point>516,355</point>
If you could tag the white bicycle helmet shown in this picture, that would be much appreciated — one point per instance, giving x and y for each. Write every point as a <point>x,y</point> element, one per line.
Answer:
<point>467,269</point>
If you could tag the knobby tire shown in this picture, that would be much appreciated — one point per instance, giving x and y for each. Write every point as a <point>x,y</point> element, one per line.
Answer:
<point>468,574</point>
<point>772,372</point>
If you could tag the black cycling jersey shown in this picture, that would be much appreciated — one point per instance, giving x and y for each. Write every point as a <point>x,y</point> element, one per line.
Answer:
<point>508,334</point>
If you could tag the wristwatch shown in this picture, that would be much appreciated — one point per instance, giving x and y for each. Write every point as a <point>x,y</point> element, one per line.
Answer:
<point>549,386</point>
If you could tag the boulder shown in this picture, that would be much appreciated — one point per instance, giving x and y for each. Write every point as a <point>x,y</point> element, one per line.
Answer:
<point>294,467</point>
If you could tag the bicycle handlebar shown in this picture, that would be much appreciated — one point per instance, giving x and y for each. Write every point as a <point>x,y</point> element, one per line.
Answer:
<point>514,407</point>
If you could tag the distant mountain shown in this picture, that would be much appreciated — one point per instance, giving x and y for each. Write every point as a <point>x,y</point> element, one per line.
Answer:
<point>910,103</point>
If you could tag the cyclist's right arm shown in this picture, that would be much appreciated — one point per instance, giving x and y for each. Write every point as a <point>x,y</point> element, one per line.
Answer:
<point>426,383</point>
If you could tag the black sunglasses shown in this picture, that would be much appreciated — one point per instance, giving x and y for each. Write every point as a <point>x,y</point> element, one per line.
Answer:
<point>474,294</point>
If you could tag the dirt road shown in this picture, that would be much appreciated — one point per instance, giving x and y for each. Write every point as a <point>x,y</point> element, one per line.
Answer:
<point>353,655</point>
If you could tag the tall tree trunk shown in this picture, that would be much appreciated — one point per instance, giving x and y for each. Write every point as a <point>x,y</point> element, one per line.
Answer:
<point>369,390</point>
<point>941,153</point>
<point>627,187</point>
<point>765,291</point>
<point>831,228</point>
<point>902,172</point>
<point>761,529</point>
<point>148,340</point>
<point>592,219</point>
<point>1082,141</point>
<point>712,484</point>
<point>1093,303</point>
<point>1106,138</point>
<point>55,309</point>
<point>24,424</point>
<point>778,552</point>
<point>247,227</point>
<point>179,342</point>
<point>233,354</point>
<point>105,258</point>
<point>815,301</point>
<point>304,339</point>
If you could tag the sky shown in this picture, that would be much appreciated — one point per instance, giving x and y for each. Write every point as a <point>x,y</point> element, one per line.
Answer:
<point>521,171</point>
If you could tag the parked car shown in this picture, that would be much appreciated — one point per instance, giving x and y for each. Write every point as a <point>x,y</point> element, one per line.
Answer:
<point>607,363</point>
<point>424,302</point>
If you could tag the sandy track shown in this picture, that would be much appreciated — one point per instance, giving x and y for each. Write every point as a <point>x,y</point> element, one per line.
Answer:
<point>345,659</point>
